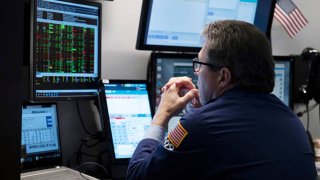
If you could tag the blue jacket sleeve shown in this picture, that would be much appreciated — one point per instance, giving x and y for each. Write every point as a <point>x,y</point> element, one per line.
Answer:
<point>152,161</point>
<point>137,165</point>
<point>155,160</point>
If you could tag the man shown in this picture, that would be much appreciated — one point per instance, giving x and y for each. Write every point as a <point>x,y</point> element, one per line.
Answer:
<point>238,130</point>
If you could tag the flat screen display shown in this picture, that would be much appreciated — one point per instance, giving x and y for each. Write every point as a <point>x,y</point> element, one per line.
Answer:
<point>176,25</point>
<point>126,114</point>
<point>284,79</point>
<point>163,67</point>
<point>40,144</point>
<point>65,49</point>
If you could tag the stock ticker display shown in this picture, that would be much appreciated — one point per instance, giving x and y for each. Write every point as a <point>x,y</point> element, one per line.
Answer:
<point>66,49</point>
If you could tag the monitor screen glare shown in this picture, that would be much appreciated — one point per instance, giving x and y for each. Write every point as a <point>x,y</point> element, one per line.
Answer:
<point>173,27</point>
<point>176,25</point>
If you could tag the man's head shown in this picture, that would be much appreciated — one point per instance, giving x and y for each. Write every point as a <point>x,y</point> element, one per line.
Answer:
<point>240,56</point>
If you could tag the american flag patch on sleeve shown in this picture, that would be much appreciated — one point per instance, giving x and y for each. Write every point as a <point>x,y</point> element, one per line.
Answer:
<point>177,135</point>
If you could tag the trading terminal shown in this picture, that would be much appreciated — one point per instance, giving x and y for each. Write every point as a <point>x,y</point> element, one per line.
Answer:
<point>83,86</point>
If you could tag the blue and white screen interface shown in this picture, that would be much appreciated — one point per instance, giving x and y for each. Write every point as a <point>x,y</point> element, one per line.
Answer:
<point>39,134</point>
<point>129,115</point>
<point>282,81</point>
<point>180,22</point>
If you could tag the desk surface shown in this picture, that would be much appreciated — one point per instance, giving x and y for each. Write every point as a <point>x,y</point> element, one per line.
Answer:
<point>61,173</point>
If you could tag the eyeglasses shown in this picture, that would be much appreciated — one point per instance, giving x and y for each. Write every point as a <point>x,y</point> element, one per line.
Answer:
<point>197,64</point>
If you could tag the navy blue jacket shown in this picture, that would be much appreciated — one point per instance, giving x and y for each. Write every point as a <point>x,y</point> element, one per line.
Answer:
<point>240,135</point>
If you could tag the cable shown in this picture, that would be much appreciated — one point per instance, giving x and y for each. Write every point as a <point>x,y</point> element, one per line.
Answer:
<point>106,172</point>
<point>299,114</point>
<point>98,138</point>
<point>308,120</point>
<point>79,154</point>
<point>81,121</point>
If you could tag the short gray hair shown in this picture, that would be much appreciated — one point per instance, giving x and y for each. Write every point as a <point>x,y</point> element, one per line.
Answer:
<point>244,50</point>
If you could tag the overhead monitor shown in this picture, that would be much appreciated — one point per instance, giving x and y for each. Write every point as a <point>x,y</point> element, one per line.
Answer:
<point>284,79</point>
<point>65,49</point>
<point>163,66</point>
<point>126,114</point>
<point>176,25</point>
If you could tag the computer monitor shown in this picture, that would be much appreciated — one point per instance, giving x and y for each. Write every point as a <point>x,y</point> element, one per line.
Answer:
<point>176,25</point>
<point>163,66</point>
<point>284,70</point>
<point>126,114</point>
<point>65,49</point>
<point>40,144</point>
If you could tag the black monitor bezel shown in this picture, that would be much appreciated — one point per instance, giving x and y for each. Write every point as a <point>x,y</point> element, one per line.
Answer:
<point>289,59</point>
<point>264,12</point>
<point>32,72</point>
<point>105,121</point>
<point>57,161</point>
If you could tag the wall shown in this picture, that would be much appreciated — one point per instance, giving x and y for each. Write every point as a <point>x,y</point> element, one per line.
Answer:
<point>309,36</point>
<point>120,60</point>
<point>120,24</point>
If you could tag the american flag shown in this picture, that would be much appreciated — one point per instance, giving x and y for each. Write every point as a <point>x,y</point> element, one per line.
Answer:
<point>290,17</point>
<point>177,135</point>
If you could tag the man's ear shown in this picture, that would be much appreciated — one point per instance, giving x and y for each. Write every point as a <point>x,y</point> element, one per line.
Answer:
<point>225,77</point>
